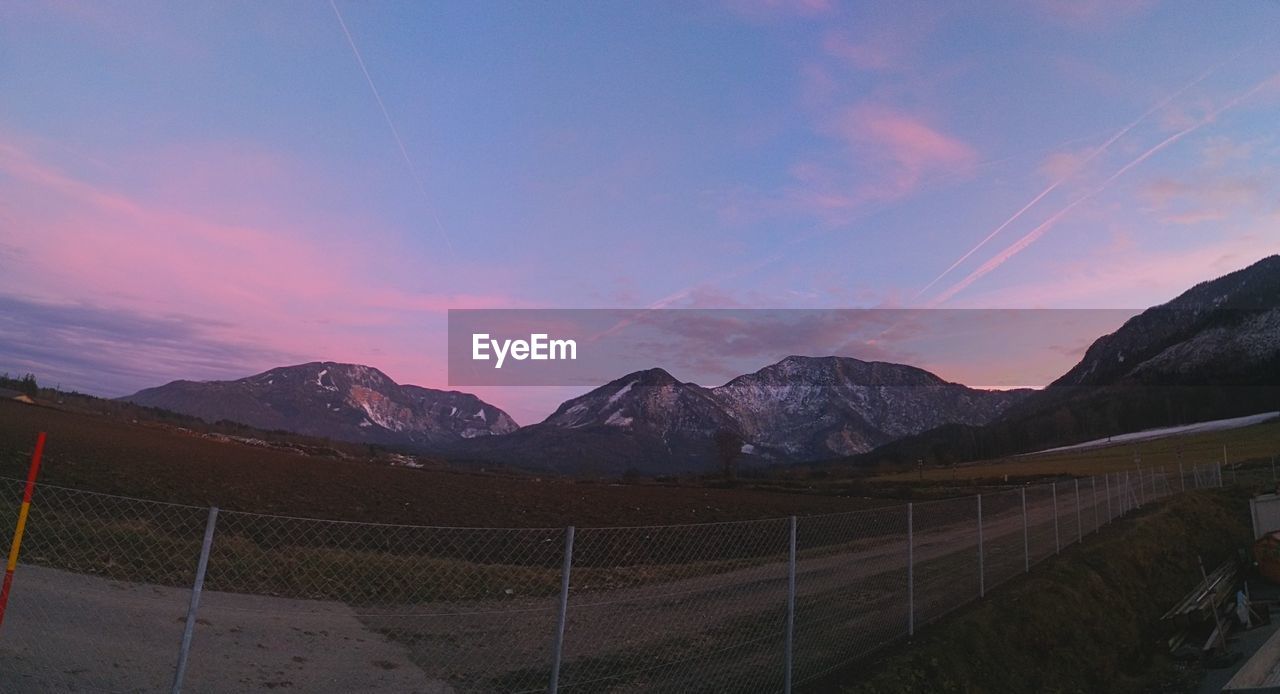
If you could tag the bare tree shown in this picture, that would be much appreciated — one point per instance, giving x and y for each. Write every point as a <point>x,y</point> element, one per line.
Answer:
<point>728,448</point>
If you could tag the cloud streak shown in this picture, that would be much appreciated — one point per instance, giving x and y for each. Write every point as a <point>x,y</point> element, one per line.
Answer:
<point>395,132</point>
<point>1035,234</point>
<point>1093,154</point>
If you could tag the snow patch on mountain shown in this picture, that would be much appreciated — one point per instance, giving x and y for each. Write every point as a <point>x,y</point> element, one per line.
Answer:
<point>618,395</point>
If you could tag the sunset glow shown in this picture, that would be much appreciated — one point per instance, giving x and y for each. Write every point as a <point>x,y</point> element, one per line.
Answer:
<point>208,191</point>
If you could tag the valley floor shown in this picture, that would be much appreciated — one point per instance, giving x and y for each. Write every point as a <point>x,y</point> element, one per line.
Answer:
<point>103,454</point>
<point>697,615</point>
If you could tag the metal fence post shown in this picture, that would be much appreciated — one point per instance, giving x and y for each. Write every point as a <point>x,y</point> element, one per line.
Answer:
<point>1141,493</point>
<point>1182,477</point>
<point>1128,494</point>
<point>982,579</point>
<point>1122,502</point>
<point>1057,544</point>
<point>558,648</point>
<point>791,608</point>
<point>911,578</point>
<point>1121,478</point>
<point>1106,481</point>
<point>1079,524</point>
<point>1026,545</point>
<point>188,630</point>
<point>1093,482</point>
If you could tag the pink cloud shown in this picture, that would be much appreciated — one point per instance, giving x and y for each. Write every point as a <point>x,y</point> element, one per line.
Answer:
<point>1204,199</point>
<point>872,54</point>
<point>760,10</point>
<point>902,146</point>
<point>1219,151</point>
<point>1092,14</point>
<point>284,289</point>
<point>879,41</point>
<point>115,26</point>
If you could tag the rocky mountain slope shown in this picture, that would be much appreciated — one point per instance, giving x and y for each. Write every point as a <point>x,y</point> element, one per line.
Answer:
<point>799,409</point>
<point>652,402</point>
<point>1221,331</point>
<point>820,407</point>
<point>1211,353</point>
<point>339,401</point>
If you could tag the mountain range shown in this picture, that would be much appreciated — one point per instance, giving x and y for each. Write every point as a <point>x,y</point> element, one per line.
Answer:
<point>799,409</point>
<point>1212,351</point>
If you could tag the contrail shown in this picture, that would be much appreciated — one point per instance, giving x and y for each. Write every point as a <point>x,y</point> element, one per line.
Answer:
<point>1033,235</point>
<point>1053,186</point>
<point>395,132</point>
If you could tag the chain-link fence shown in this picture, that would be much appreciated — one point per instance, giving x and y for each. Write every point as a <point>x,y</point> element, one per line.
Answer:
<point>107,585</point>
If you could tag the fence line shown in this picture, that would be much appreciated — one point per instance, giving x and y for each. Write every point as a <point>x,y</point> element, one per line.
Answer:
<point>315,604</point>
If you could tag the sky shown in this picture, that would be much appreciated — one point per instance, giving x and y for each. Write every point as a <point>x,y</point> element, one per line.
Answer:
<point>209,190</point>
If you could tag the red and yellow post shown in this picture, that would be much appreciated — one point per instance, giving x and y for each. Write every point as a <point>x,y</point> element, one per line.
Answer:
<point>22,525</point>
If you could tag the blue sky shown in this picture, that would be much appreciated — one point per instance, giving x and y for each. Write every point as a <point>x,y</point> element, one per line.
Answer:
<point>227,168</point>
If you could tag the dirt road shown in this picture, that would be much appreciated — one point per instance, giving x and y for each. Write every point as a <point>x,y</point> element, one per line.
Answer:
<point>690,631</point>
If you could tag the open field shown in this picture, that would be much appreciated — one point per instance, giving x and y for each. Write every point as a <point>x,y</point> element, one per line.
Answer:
<point>1253,443</point>
<point>296,602</point>
<point>116,457</point>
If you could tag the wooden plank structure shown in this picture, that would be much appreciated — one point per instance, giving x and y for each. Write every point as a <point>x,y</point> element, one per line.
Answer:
<point>1201,611</point>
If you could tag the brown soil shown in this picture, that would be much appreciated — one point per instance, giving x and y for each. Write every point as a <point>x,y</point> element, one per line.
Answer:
<point>104,454</point>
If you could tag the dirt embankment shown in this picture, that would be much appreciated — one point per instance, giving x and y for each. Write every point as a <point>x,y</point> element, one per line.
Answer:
<point>1087,622</point>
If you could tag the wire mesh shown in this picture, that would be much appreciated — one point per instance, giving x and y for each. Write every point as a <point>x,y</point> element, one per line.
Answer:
<point>100,598</point>
<point>678,608</point>
<point>946,556</point>
<point>851,585</point>
<point>1004,549</point>
<point>357,606</point>
<point>1043,533</point>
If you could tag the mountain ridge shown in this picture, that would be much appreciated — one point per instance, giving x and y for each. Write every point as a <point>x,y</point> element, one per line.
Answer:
<point>1211,352</point>
<point>350,402</point>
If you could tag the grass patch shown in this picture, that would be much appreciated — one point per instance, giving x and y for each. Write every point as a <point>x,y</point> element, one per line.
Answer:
<point>1255,443</point>
<point>1085,622</point>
